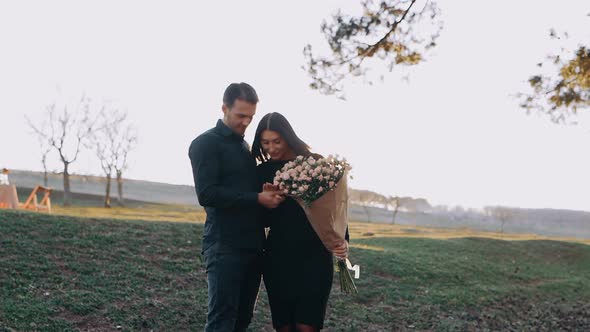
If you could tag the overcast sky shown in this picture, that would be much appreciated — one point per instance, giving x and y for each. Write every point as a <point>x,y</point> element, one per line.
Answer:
<point>453,134</point>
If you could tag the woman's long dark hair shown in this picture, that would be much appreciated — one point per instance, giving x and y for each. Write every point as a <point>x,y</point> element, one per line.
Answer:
<point>277,122</point>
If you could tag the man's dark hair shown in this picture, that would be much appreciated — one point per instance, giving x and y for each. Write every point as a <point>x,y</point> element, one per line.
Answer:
<point>242,91</point>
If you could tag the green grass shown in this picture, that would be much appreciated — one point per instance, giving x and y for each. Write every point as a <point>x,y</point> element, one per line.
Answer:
<point>64,273</point>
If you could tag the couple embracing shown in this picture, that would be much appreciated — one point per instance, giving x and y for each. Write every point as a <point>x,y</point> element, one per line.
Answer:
<point>234,185</point>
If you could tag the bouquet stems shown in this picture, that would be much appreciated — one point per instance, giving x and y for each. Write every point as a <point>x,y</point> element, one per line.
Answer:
<point>347,285</point>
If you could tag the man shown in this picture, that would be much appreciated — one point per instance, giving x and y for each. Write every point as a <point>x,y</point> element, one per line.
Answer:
<point>4,177</point>
<point>226,184</point>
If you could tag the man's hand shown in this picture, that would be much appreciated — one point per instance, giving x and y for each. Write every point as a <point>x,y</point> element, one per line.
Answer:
<point>341,251</point>
<point>270,187</point>
<point>270,199</point>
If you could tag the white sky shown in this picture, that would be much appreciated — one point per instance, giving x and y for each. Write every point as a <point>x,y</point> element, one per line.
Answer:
<point>454,134</point>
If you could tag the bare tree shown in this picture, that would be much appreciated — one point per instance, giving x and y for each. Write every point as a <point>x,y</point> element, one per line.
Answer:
<point>393,202</point>
<point>67,132</point>
<point>45,150</point>
<point>362,198</point>
<point>112,143</point>
<point>126,143</point>
<point>44,145</point>
<point>501,213</point>
<point>365,198</point>
<point>103,142</point>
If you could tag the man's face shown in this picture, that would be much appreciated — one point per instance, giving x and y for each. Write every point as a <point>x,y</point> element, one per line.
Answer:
<point>239,116</point>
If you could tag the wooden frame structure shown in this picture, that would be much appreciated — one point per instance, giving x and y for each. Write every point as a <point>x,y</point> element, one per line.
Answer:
<point>33,204</point>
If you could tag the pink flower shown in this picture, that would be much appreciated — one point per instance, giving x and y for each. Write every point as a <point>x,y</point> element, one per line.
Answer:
<point>285,176</point>
<point>331,184</point>
<point>320,189</point>
<point>301,189</point>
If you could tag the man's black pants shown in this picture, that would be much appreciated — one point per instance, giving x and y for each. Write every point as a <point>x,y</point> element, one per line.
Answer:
<point>233,278</point>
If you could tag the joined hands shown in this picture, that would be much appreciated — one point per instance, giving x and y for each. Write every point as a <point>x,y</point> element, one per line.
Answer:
<point>271,196</point>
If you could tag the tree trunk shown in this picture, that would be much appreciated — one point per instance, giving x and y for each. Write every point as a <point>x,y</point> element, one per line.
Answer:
<point>67,193</point>
<point>394,214</point>
<point>107,196</point>
<point>367,212</point>
<point>120,187</point>
<point>395,211</point>
<point>45,172</point>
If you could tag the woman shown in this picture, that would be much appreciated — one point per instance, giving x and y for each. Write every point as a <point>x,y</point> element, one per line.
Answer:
<point>298,269</point>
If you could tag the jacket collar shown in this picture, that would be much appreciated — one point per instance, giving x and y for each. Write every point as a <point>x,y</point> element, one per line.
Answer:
<point>226,131</point>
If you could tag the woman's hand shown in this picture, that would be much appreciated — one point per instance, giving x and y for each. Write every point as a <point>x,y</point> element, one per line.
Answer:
<point>341,251</point>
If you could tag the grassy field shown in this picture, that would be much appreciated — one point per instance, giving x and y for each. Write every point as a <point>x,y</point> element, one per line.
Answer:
<point>138,269</point>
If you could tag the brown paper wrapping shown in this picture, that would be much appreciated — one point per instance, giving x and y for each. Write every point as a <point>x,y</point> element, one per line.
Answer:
<point>328,215</point>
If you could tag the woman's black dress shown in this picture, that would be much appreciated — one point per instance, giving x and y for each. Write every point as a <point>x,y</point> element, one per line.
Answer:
<point>298,269</point>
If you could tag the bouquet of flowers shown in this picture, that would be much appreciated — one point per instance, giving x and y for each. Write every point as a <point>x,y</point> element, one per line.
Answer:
<point>320,187</point>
